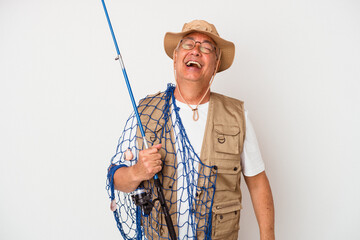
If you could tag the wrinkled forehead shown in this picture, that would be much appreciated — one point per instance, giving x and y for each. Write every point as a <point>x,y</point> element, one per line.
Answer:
<point>201,37</point>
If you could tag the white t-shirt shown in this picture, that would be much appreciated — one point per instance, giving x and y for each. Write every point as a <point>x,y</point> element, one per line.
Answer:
<point>251,160</point>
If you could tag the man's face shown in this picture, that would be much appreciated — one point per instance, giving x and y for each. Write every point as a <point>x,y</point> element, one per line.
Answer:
<point>194,65</point>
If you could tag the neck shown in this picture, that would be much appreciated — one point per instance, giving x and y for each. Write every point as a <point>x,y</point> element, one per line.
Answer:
<point>192,93</point>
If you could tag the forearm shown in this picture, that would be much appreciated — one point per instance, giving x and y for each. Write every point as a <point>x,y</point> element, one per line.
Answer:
<point>262,200</point>
<point>126,180</point>
<point>264,211</point>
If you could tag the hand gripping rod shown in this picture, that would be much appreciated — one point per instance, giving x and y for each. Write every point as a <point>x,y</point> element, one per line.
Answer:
<point>157,182</point>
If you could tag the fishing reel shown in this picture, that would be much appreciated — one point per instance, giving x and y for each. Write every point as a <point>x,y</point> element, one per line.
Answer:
<point>142,198</point>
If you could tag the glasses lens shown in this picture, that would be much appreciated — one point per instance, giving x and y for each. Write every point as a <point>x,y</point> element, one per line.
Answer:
<point>206,47</point>
<point>188,44</point>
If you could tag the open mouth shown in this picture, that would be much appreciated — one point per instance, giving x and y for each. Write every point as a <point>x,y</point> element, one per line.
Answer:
<point>193,64</point>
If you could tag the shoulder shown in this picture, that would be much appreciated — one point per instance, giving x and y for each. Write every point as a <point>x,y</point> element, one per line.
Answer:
<point>151,107</point>
<point>228,102</point>
<point>151,100</point>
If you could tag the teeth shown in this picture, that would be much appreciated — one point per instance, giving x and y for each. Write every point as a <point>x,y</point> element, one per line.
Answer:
<point>194,63</point>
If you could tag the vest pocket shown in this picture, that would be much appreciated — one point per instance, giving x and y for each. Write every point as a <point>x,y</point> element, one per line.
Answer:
<point>228,174</point>
<point>226,218</point>
<point>226,139</point>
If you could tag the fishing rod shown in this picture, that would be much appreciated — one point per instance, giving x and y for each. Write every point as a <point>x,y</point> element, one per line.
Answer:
<point>141,196</point>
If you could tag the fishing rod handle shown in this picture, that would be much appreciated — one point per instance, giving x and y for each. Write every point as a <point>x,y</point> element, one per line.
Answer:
<point>165,209</point>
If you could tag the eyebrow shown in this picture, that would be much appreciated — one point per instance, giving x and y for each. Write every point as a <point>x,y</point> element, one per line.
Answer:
<point>205,41</point>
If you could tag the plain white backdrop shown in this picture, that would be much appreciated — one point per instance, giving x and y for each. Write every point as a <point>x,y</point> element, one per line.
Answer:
<point>63,104</point>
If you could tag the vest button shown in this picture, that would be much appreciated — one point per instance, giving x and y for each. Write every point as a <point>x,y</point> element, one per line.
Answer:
<point>215,167</point>
<point>221,216</point>
<point>235,168</point>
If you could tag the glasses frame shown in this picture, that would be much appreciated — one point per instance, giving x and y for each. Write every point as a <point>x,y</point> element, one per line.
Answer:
<point>195,42</point>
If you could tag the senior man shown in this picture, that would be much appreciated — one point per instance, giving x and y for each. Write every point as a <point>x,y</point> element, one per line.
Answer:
<point>214,144</point>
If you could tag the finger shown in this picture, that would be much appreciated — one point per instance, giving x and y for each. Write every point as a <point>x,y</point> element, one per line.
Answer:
<point>158,169</point>
<point>157,146</point>
<point>148,151</point>
<point>154,149</point>
<point>157,156</point>
<point>151,157</point>
<point>155,163</point>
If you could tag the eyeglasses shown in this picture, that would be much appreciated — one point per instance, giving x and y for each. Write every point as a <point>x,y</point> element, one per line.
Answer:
<point>205,47</point>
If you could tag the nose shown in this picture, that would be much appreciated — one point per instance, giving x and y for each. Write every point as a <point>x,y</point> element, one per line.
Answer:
<point>196,50</point>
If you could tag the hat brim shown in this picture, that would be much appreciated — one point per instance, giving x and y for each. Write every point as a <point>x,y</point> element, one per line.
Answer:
<point>171,40</point>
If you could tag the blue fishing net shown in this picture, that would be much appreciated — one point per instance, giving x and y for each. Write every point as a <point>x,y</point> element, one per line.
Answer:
<point>188,184</point>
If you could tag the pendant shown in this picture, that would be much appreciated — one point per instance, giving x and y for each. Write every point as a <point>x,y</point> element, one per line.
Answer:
<point>195,114</point>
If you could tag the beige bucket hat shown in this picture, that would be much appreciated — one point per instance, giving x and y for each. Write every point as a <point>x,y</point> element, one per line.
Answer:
<point>171,40</point>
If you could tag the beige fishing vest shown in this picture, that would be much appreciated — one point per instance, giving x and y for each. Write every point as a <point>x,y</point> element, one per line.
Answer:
<point>222,146</point>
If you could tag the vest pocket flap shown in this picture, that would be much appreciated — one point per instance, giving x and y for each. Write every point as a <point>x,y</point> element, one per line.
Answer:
<point>226,130</point>
<point>228,166</point>
<point>226,211</point>
<point>226,207</point>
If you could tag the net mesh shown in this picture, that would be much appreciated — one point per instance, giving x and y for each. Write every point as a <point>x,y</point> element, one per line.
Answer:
<point>188,183</point>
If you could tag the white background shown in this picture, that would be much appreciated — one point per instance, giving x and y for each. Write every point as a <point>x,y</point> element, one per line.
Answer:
<point>63,105</point>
